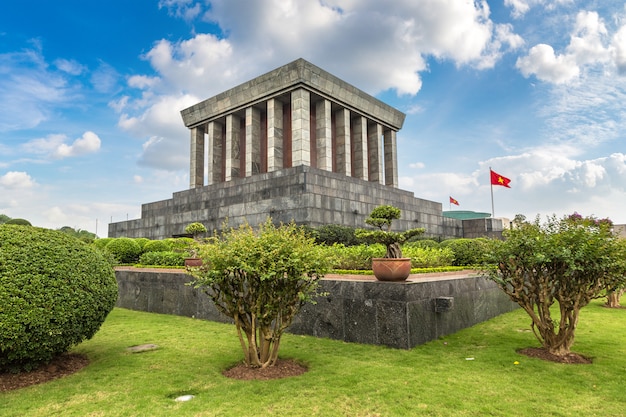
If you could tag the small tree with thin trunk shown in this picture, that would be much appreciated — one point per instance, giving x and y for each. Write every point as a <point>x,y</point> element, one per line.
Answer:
<point>261,279</point>
<point>568,262</point>
<point>382,217</point>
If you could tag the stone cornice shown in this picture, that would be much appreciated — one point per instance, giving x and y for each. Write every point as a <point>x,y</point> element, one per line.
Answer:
<point>299,73</point>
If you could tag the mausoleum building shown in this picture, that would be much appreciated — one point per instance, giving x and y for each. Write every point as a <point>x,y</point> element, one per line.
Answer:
<point>295,144</point>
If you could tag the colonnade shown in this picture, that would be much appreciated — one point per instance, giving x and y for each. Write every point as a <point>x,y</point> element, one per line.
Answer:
<point>297,128</point>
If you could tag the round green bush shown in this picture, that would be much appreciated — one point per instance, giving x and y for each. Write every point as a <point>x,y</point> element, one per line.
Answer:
<point>20,222</point>
<point>124,249</point>
<point>467,252</point>
<point>157,246</point>
<point>55,292</point>
<point>102,243</point>
<point>142,241</point>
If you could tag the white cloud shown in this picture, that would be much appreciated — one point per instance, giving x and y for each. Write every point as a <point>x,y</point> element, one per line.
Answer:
<point>619,49</point>
<point>71,67</point>
<point>88,143</point>
<point>542,62</point>
<point>521,7</point>
<point>586,43</point>
<point>55,146</point>
<point>16,180</point>
<point>586,49</point>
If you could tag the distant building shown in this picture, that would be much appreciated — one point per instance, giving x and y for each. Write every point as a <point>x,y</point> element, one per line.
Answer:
<point>620,230</point>
<point>295,144</point>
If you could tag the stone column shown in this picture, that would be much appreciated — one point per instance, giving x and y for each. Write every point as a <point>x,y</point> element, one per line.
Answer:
<point>253,141</point>
<point>359,147</point>
<point>323,128</point>
<point>342,138</point>
<point>374,152</point>
<point>196,157</point>
<point>231,153</point>
<point>300,127</point>
<point>274,135</point>
<point>216,154</point>
<point>391,158</point>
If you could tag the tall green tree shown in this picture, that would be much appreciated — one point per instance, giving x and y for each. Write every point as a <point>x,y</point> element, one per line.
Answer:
<point>260,279</point>
<point>567,262</point>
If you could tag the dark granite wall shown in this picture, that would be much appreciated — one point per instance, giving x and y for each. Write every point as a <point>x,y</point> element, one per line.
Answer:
<point>399,315</point>
<point>303,194</point>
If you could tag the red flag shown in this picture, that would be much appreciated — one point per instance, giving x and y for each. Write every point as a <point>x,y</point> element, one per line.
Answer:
<point>453,201</point>
<point>497,179</point>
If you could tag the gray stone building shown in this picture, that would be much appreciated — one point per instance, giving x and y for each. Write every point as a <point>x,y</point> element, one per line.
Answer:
<point>295,144</point>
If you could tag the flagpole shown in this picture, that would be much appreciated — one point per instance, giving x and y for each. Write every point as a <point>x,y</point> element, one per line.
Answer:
<point>493,212</point>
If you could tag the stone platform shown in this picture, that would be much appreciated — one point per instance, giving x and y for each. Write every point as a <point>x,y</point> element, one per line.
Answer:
<point>357,308</point>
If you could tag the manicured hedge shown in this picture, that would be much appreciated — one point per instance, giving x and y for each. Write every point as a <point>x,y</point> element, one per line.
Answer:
<point>55,291</point>
<point>124,249</point>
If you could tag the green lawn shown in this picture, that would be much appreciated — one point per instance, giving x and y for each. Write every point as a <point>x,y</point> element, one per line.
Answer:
<point>435,379</point>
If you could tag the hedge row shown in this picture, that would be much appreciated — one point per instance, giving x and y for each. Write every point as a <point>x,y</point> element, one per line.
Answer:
<point>339,242</point>
<point>166,252</point>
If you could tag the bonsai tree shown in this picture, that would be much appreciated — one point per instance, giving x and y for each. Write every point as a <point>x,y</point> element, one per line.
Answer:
<point>567,262</point>
<point>261,279</point>
<point>382,217</point>
<point>195,229</point>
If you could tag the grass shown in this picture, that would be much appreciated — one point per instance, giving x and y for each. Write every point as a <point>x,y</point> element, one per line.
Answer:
<point>344,379</point>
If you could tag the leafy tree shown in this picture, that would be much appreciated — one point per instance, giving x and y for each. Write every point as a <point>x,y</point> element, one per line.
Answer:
<point>382,217</point>
<point>4,218</point>
<point>80,234</point>
<point>568,262</point>
<point>261,279</point>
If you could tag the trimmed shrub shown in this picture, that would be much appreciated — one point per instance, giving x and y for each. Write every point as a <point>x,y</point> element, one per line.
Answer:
<point>142,241</point>
<point>164,258</point>
<point>467,252</point>
<point>156,246</point>
<point>19,222</point>
<point>428,257</point>
<point>356,257</point>
<point>423,243</point>
<point>334,233</point>
<point>102,243</point>
<point>124,249</point>
<point>55,292</point>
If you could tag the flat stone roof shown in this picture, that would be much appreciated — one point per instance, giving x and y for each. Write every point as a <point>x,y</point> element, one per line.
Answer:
<point>299,73</point>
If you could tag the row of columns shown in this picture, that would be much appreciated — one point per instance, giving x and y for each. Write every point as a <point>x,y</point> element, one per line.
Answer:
<point>297,133</point>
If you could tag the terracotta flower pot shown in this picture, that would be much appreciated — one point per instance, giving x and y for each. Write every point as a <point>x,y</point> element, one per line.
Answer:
<point>193,262</point>
<point>391,269</point>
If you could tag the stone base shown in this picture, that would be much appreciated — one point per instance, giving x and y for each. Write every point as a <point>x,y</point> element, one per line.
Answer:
<point>306,195</point>
<point>396,314</point>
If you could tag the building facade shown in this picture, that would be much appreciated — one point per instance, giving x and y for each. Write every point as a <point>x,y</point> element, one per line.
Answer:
<point>295,144</point>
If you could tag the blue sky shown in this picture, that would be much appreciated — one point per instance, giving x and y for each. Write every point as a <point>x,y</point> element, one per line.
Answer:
<point>90,95</point>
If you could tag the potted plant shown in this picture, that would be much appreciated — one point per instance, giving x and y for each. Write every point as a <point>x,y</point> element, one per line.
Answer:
<point>195,230</point>
<point>393,267</point>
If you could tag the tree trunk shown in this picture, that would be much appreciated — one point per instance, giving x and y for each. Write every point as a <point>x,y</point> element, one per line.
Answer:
<point>613,297</point>
<point>393,251</point>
